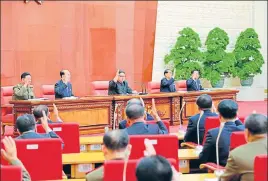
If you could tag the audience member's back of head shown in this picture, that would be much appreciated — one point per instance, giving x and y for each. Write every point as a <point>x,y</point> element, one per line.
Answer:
<point>25,123</point>
<point>256,124</point>
<point>154,168</point>
<point>204,102</point>
<point>116,140</point>
<point>134,111</point>
<point>228,109</point>
<point>134,101</point>
<point>37,112</point>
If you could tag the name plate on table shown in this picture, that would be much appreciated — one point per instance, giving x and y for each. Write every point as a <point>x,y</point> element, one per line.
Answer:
<point>85,168</point>
<point>183,164</point>
<point>95,147</point>
<point>83,148</point>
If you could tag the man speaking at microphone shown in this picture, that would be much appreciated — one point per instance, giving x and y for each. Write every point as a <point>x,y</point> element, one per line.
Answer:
<point>24,90</point>
<point>63,88</point>
<point>194,84</point>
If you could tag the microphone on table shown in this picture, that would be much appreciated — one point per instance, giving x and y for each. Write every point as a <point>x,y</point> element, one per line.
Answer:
<point>218,172</point>
<point>199,147</point>
<point>143,88</point>
<point>181,131</point>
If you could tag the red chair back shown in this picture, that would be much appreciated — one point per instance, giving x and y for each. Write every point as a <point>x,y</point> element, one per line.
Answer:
<point>6,94</point>
<point>165,145</point>
<point>181,85</point>
<point>47,91</point>
<point>237,139</point>
<point>7,110</point>
<point>68,132</point>
<point>260,168</point>
<point>11,173</point>
<point>166,122</point>
<point>113,170</point>
<point>42,158</point>
<point>99,87</point>
<point>153,87</point>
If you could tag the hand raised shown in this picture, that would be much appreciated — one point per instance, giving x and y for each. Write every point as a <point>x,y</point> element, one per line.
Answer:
<point>44,120</point>
<point>10,152</point>
<point>55,110</point>
<point>149,148</point>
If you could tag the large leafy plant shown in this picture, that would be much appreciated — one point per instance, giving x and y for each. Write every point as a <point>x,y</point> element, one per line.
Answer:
<point>218,62</point>
<point>185,55</point>
<point>249,59</point>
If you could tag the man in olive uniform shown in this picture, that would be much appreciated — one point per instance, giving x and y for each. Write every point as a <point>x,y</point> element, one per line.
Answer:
<point>24,90</point>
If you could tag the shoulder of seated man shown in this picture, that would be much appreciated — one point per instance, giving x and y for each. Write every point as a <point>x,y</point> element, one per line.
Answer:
<point>95,175</point>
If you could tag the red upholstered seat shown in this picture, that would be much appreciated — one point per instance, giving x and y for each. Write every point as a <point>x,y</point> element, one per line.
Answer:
<point>47,91</point>
<point>113,170</point>
<point>71,141</point>
<point>41,157</point>
<point>181,85</point>
<point>99,87</point>
<point>260,168</point>
<point>11,173</point>
<point>153,87</point>
<point>165,145</point>
<point>211,166</point>
<point>237,139</point>
<point>7,117</point>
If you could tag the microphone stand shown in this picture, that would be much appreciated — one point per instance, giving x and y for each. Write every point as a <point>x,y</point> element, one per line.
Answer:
<point>218,172</point>
<point>143,90</point>
<point>199,148</point>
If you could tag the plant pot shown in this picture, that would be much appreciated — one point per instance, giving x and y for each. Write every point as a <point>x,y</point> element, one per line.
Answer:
<point>219,84</point>
<point>247,82</point>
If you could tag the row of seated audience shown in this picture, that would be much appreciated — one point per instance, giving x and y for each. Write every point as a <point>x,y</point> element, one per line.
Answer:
<point>239,163</point>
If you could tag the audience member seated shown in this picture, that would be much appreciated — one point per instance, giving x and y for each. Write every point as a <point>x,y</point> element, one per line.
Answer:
<point>148,117</point>
<point>227,113</point>
<point>240,164</point>
<point>115,146</point>
<point>10,155</point>
<point>204,103</point>
<point>37,112</point>
<point>138,126</point>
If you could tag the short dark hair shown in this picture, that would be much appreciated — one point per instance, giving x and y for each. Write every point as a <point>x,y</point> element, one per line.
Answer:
<point>204,101</point>
<point>166,71</point>
<point>134,111</point>
<point>228,109</point>
<point>62,73</point>
<point>154,168</point>
<point>37,112</point>
<point>134,101</point>
<point>121,71</point>
<point>24,74</point>
<point>25,123</point>
<point>256,124</point>
<point>194,71</point>
<point>116,140</point>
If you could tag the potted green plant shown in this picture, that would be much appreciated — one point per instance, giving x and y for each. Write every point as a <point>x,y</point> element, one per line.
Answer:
<point>218,63</point>
<point>186,55</point>
<point>249,59</point>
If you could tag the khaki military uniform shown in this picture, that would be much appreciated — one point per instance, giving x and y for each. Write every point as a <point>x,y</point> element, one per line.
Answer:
<point>22,93</point>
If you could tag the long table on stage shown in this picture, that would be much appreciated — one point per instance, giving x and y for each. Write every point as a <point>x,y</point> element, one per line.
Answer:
<point>94,113</point>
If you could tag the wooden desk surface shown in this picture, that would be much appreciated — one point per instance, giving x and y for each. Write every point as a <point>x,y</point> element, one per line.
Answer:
<point>187,154</point>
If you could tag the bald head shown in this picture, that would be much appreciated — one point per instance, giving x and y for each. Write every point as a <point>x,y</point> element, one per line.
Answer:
<point>116,140</point>
<point>256,124</point>
<point>134,111</point>
<point>134,101</point>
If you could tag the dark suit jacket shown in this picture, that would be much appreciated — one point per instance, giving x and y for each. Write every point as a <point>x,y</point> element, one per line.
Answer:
<point>140,128</point>
<point>123,124</point>
<point>194,85</point>
<point>209,150</point>
<point>167,85</point>
<point>191,133</point>
<point>62,90</point>
<point>119,88</point>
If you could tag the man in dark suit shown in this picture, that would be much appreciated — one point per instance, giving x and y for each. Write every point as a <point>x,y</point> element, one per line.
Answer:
<point>38,114</point>
<point>63,88</point>
<point>138,126</point>
<point>119,85</point>
<point>148,117</point>
<point>240,164</point>
<point>227,113</point>
<point>167,83</point>
<point>204,103</point>
<point>194,84</point>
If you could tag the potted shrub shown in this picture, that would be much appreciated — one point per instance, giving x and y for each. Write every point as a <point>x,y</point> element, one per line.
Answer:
<point>249,59</point>
<point>186,55</point>
<point>218,63</point>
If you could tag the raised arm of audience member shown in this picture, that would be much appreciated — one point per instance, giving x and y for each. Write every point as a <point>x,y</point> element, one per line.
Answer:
<point>162,127</point>
<point>10,155</point>
<point>56,113</point>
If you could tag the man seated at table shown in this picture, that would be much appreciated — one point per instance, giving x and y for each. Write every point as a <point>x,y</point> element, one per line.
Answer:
<point>240,164</point>
<point>10,155</point>
<point>24,90</point>
<point>38,114</point>
<point>148,117</point>
<point>63,88</point>
<point>115,145</point>
<point>204,103</point>
<point>194,84</point>
<point>227,113</point>
<point>119,85</point>
<point>167,83</point>
<point>138,126</point>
